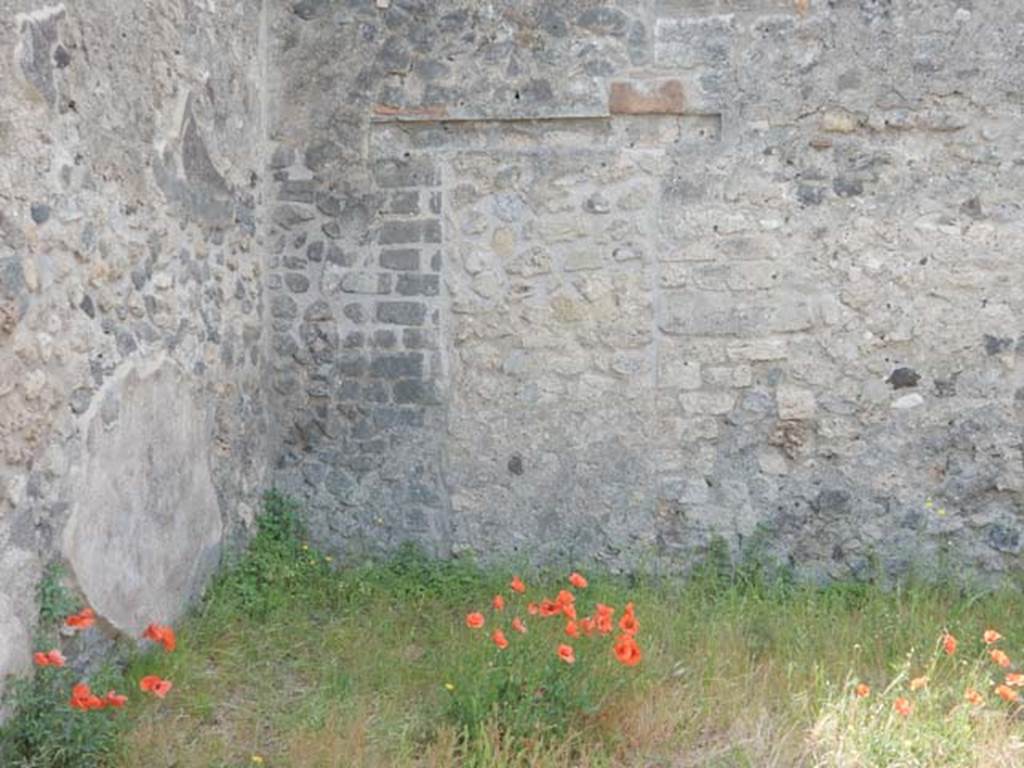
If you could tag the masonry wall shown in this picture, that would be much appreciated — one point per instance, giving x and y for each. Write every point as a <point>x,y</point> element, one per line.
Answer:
<point>604,280</point>
<point>133,416</point>
<point>595,280</point>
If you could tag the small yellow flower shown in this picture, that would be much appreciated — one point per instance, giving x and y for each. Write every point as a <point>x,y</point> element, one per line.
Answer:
<point>449,686</point>
<point>328,559</point>
<point>941,512</point>
<point>257,759</point>
<point>305,546</point>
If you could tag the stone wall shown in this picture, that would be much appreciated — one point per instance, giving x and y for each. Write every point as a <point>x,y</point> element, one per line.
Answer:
<point>133,416</point>
<point>597,280</point>
<point>604,280</point>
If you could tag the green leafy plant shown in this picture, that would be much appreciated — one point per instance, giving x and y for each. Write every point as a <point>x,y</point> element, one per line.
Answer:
<point>55,600</point>
<point>45,732</point>
<point>276,567</point>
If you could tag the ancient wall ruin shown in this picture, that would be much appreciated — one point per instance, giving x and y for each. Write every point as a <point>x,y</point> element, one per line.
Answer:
<point>133,415</point>
<point>593,279</point>
<point>606,279</point>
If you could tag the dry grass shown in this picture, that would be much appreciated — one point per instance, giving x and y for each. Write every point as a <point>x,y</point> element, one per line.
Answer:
<point>348,669</point>
<point>732,677</point>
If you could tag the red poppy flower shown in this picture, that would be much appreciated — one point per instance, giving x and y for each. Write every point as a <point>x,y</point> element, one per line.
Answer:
<point>973,697</point>
<point>162,634</point>
<point>518,626</point>
<point>571,629</point>
<point>155,685</point>
<point>516,585</point>
<point>532,608</point>
<point>84,619</point>
<point>550,608</point>
<point>991,636</point>
<point>903,707</point>
<point>862,691</point>
<point>587,626</point>
<point>83,698</point>
<point>604,618</point>
<point>1006,693</point>
<point>475,620</point>
<point>115,700</point>
<point>627,651</point>
<point>577,580</point>
<point>949,644</point>
<point>499,639</point>
<point>569,610</point>
<point>1000,658</point>
<point>1015,679</point>
<point>566,653</point>
<point>498,603</point>
<point>52,658</point>
<point>628,622</point>
<point>565,597</point>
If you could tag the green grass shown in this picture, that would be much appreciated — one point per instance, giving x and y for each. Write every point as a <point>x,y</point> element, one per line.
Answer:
<point>302,664</point>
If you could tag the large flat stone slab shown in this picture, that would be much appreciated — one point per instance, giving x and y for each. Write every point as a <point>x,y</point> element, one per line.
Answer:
<point>145,528</point>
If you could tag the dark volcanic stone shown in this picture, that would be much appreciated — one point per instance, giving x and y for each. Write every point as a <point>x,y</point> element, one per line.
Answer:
<point>902,378</point>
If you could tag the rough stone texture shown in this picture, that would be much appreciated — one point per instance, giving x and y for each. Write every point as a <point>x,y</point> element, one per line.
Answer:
<point>597,279</point>
<point>691,257</point>
<point>131,171</point>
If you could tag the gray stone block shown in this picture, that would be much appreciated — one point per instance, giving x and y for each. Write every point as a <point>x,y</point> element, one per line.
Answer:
<point>397,366</point>
<point>401,312</point>
<point>418,285</point>
<point>407,259</point>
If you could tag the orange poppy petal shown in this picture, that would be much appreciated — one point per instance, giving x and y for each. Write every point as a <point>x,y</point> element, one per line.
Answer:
<point>1000,658</point>
<point>1006,693</point>
<point>627,651</point>
<point>148,683</point>
<point>949,644</point>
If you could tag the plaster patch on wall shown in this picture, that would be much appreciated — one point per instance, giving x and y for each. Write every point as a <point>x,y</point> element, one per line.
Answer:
<point>145,526</point>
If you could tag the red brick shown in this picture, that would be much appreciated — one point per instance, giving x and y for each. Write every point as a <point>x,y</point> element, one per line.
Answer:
<point>659,97</point>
